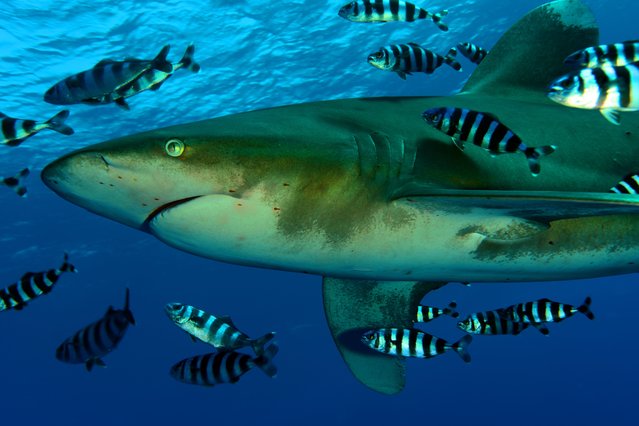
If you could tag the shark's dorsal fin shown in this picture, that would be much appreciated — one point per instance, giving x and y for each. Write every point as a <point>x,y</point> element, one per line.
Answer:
<point>353,307</point>
<point>532,52</point>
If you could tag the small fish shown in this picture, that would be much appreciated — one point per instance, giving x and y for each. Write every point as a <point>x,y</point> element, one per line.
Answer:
<point>413,343</point>
<point>408,58</point>
<point>545,310</point>
<point>32,285</point>
<point>16,130</point>
<point>151,79</point>
<point>428,313</point>
<point>607,88</point>
<point>617,54</point>
<point>217,331</point>
<point>223,367</point>
<point>389,10</point>
<point>485,131</point>
<point>473,52</point>
<point>628,185</point>
<point>491,323</point>
<point>17,182</point>
<point>104,78</point>
<point>89,344</point>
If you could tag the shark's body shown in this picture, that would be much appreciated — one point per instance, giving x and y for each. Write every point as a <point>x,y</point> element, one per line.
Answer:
<point>364,192</point>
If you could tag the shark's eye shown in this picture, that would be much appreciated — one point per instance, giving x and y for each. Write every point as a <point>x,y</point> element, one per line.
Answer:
<point>174,147</point>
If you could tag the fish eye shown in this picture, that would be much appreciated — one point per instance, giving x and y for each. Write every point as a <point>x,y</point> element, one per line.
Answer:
<point>378,55</point>
<point>174,147</point>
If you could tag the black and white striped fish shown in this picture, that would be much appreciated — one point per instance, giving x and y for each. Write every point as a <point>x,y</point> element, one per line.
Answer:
<point>617,54</point>
<point>217,331</point>
<point>16,182</point>
<point>89,344</point>
<point>223,367</point>
<point>628,185</point>
<point>474,53</point>
<point>408,58</point>
<point>17,130</point>
<point>609,89</point>
<point>32,285</point>
<point>413,343</point>
<point>491,323</point>
<point>485,131</point>
<point>545,310</point>
<point>151,79</point>
<point>389,10</point>
<point>104,78</point>
<point>429,313</point>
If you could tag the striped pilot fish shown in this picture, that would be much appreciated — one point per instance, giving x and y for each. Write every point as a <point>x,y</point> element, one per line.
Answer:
<point>151,79</point>
<point>217,331</point>
<point>104,78</point>
<point>628,185</point>
<point>429,313</point>
<point>32,285</point>
<point>89,344</point>
<point>413,343</point>
<point>389,10</point>
<point>474,53</point>
<point>408,58</point>
<point>17,130</point>
<point>607,88</point>
<point>493,323</point>
<point>545,310</point>
<point>223,367</point>
<point>485,131</point>
<point>17,182</point>
<point>617,54</point>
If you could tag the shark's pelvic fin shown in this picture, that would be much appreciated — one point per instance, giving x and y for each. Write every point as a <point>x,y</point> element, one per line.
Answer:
<point>531,53</point>
<point>354,306</point>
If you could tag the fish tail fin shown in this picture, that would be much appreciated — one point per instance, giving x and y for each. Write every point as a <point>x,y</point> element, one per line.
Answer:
<point>534,154</point>
<point>17,182</point>
<point>188,60</point>
<point>451,310</point>
<point>127,311</point>
<point>258,344</point>
<point>265,361</point>
<point>66,266</point>
<point>57,123</point>
<point>160,62</point>
<point>450,59</point>
<point>585,308</point>
<point>461,347</point>
<point>437,19</point>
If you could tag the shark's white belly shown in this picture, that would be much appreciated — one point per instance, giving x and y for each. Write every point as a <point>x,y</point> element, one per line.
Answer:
<point>430,244</point>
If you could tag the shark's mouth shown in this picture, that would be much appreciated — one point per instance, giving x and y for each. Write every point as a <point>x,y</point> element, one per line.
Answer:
<point>165,207</point>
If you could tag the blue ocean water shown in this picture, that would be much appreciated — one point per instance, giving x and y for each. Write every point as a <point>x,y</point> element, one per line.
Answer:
<point>255,54</point>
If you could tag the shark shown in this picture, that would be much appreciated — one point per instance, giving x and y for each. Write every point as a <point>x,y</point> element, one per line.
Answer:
<point>383,207</point>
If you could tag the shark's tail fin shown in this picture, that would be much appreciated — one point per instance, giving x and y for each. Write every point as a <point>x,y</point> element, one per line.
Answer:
<point>57,123</point>
<point>188,60</point>
<point>534,154</point>
<point>585,308</point>
<point>259,343</point>
<point>450,59</point>
<point>17,182</point>
<point>437,19</point>
<point>265,361</point>
<point>461,347</point>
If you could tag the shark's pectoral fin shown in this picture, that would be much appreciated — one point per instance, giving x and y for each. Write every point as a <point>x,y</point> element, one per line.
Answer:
<point>354,306</point>
<point>540,207</point>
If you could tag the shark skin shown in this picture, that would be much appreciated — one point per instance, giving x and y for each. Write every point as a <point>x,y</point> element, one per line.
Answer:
<point>363,192</point>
